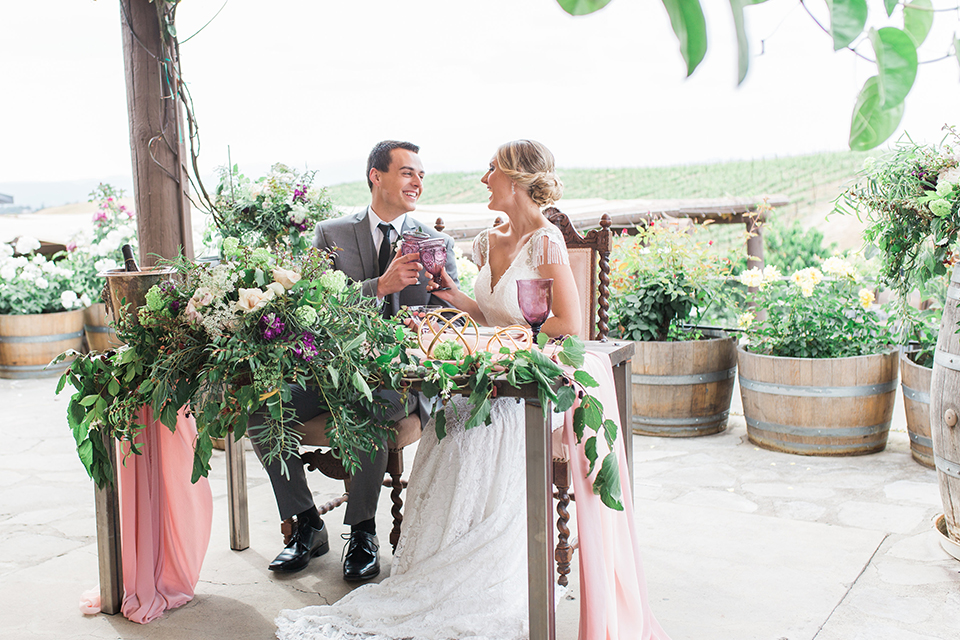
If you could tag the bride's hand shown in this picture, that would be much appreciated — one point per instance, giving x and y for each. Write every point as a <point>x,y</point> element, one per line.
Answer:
<point>445,282</point>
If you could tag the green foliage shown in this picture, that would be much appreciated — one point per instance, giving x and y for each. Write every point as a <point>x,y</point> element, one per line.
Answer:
<point>910,197</point>
<point>810,316</point>
<point>791,247</point>
<point>231,339</point>
<point>664,276</point>
<point>879,107</point>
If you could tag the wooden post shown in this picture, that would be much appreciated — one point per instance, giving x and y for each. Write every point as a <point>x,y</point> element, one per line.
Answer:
<point>160,182</point>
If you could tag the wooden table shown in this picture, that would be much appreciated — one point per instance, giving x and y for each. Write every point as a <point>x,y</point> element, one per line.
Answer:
<point>540,540</point>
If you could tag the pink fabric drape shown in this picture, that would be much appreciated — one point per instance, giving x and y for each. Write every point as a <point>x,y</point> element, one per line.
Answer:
<point>165,520</point>
<point>613,592</point>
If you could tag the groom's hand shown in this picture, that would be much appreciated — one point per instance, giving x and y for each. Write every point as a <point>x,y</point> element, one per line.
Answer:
<point>401,273</point>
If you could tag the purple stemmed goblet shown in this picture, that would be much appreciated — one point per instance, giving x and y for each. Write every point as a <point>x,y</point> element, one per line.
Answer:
<point>433,255</point>
<point>535,298</point>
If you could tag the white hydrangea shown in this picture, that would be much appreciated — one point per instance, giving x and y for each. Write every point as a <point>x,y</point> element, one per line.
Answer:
<point>42,283</point>
<point>6,251</point>
<point>105,264</point>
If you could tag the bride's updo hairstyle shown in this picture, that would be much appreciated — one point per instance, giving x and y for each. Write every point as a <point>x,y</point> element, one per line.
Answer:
<point>530,165</point>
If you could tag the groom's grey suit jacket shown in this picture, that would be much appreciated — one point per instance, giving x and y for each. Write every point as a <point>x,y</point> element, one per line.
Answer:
<point>357,257</point>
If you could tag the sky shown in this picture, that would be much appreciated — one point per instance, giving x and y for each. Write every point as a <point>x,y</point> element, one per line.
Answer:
<point>315,84</point>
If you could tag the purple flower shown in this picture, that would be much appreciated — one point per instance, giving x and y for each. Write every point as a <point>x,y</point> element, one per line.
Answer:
<point>305,348</point>
<point>300,193</point>
<point>174,305</point>
<point>272,326</point>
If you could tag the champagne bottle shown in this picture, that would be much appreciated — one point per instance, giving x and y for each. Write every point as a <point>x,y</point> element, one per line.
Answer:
<point>128,260</point>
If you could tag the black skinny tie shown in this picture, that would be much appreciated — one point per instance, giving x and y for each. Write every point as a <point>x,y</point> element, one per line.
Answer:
<point>384,255</point>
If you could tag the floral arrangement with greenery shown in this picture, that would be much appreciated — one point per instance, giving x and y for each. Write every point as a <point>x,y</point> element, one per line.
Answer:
<point>815,313</point>
<point>30,283</point>
<point>97,250</point>
<point>480,374</point>
<point>664,277</point>
<point>910,198</point>
<point>277,211</point>
<point>231,339</point>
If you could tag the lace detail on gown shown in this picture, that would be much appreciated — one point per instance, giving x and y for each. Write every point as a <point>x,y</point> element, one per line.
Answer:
<point>499,304</point>
<point>461,564</point>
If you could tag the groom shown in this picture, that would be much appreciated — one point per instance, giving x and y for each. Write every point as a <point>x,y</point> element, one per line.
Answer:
<point>363,244</point>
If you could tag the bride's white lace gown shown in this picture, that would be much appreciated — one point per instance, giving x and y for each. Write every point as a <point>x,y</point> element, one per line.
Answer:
<point>460,569</point>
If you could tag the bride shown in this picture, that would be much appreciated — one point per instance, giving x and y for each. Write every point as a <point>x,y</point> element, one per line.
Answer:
<point>460,569</point>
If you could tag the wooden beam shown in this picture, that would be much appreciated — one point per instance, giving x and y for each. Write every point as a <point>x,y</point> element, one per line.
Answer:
<point>160,179</point>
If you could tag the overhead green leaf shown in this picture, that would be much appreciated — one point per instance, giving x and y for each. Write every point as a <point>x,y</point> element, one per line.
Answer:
<point>743,47</point>
<point>690,27</point>
<point>590,450</point>
<point>847,19</point>
<point>871,125</point>
<point>582,7</point>
<point>565,397</point>
<point>890,5</point>
<point>896,62</point>
<point>918,19</point>
<point>440,423</point>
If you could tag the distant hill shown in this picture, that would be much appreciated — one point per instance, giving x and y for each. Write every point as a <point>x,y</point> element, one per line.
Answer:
<point>811,182</point>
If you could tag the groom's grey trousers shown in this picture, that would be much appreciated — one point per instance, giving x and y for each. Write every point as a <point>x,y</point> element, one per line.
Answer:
<point>292,493</point>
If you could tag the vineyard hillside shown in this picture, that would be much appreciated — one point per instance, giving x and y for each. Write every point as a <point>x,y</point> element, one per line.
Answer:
<point>811,182</point>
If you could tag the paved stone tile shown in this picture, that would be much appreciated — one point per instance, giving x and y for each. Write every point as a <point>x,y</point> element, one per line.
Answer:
<point>881,517</point>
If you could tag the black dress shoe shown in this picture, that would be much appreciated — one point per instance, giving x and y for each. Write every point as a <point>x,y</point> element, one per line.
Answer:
<point>361,561</point>
<point>306,543</point>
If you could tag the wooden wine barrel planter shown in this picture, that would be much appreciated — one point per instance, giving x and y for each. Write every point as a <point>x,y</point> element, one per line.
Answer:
<point>683,389</point>
<point>28,343</point>
<point>915,384</point>
<point>818,407</point>
<point>96,325</point>
<point>945,407</point>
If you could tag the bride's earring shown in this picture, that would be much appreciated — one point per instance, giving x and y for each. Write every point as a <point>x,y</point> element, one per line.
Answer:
<point>513,187</point>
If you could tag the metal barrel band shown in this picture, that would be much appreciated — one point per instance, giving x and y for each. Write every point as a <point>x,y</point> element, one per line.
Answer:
<point>16,371</point>
<point>54,337</point>
<point>805,446</point>
<point>923,441</point>
<point>93,328</point>
<point>817,392</point>
<point>946,360</point>
<point>917,396</point>
<point>949,467</point>
<point>842,432</point>
<point>693,378</point>
<point>669,422</point>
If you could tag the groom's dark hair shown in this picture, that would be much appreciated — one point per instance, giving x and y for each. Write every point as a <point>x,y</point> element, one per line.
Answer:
<point>379,158</point>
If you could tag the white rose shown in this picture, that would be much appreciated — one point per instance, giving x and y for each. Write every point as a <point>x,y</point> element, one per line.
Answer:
<point>85,300</point>
<point>42,283</point>
<point>202,297</point>
<point>6,250</point>
<point>251,299</point>
<point>27,244</point>
<point>286,277</point>
<point>277,288</point>
<point>8,271</point>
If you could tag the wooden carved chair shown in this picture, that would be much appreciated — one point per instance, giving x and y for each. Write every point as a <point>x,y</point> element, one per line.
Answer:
<point>590,262</point>
<point>406,432</point>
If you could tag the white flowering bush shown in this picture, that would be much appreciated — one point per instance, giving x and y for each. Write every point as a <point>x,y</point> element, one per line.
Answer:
<point>824,312</point>
<point>30,283</point>
<point>97,250</point>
